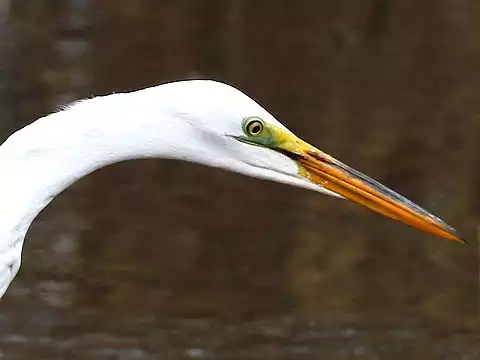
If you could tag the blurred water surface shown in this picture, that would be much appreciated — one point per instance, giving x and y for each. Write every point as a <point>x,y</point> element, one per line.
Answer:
<point>160,259</point>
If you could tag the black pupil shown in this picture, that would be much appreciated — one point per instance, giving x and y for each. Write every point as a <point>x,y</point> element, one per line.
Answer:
<point>255,128</point>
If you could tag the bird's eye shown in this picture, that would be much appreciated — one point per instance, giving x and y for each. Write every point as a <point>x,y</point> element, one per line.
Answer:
<point>254,127</point>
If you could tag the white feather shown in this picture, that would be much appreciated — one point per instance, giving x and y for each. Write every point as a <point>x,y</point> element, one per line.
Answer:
<point>189,120</point>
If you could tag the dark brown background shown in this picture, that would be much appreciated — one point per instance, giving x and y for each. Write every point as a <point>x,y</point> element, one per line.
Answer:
<point>159,258</point>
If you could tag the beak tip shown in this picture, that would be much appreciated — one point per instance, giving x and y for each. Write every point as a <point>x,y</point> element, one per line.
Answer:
<point>454,235</point>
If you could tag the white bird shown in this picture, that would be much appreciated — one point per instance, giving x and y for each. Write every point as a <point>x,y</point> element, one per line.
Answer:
<point>199,121</point>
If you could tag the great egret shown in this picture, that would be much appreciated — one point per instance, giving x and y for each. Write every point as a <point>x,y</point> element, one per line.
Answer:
<point>200,121</point>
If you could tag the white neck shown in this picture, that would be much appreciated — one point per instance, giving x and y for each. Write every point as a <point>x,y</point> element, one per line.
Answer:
<point>42,159</point>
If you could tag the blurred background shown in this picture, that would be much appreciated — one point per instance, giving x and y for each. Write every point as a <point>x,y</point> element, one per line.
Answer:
<point>161,259</point>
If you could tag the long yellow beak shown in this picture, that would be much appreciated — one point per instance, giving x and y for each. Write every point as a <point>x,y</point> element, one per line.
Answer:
<point>326,171</point>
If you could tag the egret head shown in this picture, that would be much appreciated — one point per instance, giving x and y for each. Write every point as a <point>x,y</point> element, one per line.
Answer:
<point>243,137</point>
<point>200,121</point>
